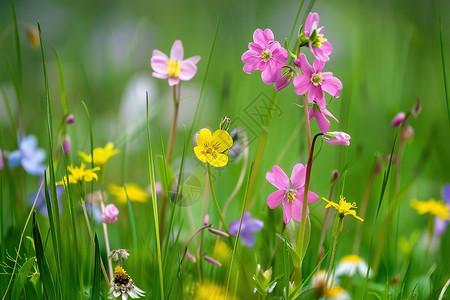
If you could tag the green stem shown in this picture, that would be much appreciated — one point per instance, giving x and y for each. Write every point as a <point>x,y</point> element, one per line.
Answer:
<point>330,267</point>
<point>176,102</point>
<point>213,193</point>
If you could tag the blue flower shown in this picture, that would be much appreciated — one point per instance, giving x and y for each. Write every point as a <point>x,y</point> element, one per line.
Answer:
<point>29,156</point>
<point>248,228</point>
<point>440,224</point>
<point>41,205</point>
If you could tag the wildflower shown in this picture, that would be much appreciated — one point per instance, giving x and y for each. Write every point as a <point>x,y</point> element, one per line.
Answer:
<point>440,224</point>
<point>337,138</point>
<point>133,191</point>
<point>321,115</point>
<point>66,144</point>
<point>398,119</point>
<point>266,55</point>
<point>41,204</point>
<point>315,82</point>
<point>323,289</point>
<point>122,285</point>
<point>173,68</point>
<point>351,264</point>
<point>119,254</point>
<point>248,228</point>
<point>263,282</point>
<point>415,111</point>
<point>79,175</point>
<point>285,79</point>
<point>210,147</point>
<point>69,119</point>
<point>344,208</point>
<point>101,155</point>
<point>318,45</point>
<point>290,192</point>
<point>225,123</point>
<point>29,156</point>
<point>110,214</point>
<point>433,207</point>
<point>212,261</point>
<point>208,290</point>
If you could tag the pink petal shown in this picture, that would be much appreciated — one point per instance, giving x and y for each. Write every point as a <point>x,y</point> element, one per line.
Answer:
<point>173,81</point>
<point>267,76</point>
<point>302,84</point>
<point>255,47</point>
<point>260,38</point>
<point>304,66</point>
<point>187,70</point>
<point>327,113</point>
<point>159,75</point>
<point>311,23</point>
<point>315,93</point>
<point>297,208</point>
<point>269,35</point>
<point>312,197</point>
<point>318,65</point>
<point>275,198</point>
<point>322,121</point>
<point>159,61</point>
<point>287,212</point>
<point>327,48</point>
<point>298,176</point>
<point>177,51</point>
<point>281,83</point>
<point>280,56</point>
<point>251,60</point>
<point>278,178</point>
<point>193,59</point>
<point>332,86</point>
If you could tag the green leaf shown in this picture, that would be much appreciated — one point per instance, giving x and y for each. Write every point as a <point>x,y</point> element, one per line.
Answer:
<point>97,271</point>
<point>132,219</point>
<point>21,278</point>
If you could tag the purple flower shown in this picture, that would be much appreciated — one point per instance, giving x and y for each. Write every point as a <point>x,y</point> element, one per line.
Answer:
<point>248,228</point>
<point>314,82</point>
<point>110,214</point>
<point>440,225</point>
<point>319,47</point>
<point>266,55</point>
<point>398,119</point>
<point>321,115</point>
<point>337,138</point>
<point>290,192</point>
<point>29,156</point>
<point>41,204</point>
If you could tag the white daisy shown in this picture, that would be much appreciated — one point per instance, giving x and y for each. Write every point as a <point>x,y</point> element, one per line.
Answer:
<point>350,265</point>
<point>122,286</point>
<point>328,291</point>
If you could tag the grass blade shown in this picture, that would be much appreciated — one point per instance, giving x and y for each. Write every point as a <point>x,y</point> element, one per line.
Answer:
<point>443,62</point>
<point>97,272</point>
<point>132,219</point>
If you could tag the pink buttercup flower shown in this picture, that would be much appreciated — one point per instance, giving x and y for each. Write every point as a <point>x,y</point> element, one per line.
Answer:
<point>321,115</point>
<point>319,47</point>
<point>265,55</point>
<point>290,192</point>
<point>110,214</point>
<point>174,68</point>
<point>337,138</point>
<point>398,119</point>
<point>314,82</point>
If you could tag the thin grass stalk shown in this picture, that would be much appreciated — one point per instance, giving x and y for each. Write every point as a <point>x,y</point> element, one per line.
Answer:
<point>213,193</point>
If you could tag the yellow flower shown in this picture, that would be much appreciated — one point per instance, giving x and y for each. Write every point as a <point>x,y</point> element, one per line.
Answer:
<point>432,207</point>
<point>208,290</point>
<point>344,208</point>
<point>210,147</point>
<point>222,251</point>
<point>101,155</point>
<point>134,192</point>
<point>79,174</point>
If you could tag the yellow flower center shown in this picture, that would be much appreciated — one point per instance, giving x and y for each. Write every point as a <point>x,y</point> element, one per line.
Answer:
<point>120,276</point>
<point>317,78</point>
<point>334,291</point>
<point>173,67</point>
<point>352,258</point>
<point>211,149</point>
<point>290,195</point>
<point>319,41</point>
<point>266,55</point>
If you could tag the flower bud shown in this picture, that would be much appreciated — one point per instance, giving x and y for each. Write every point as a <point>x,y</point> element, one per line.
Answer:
<point>206,219</point>
<point>212,261</point>
<point>218,232</point>
<point>191,257</point>
<point>110,214</point>
<point>124,254</point>
<point>66,144</point>
<point>334,176</point>
<point>69,119</point>
<point>408,133</point>
<point>415,111</point>
<point>32,34</point>
<point>378,163</point>
<point>114,256</point>
<point>398,119</point>
<point>285,79</point>
<point>337,138</point>
<point>225,123</point>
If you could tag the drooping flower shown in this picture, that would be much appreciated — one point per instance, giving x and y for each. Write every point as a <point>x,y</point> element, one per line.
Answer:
<point>248,227</point>
<point>41,204</point>
<point>133,191</point>
<point>432,207</point>
<point>101,155</point>
<point>211,147</point>
<point>319,46</point>
<point>398,119</point>
<point>174,68</point>
<point>79,175</point>
<point>29,156</point>
<point>314,82</point>
<point>266,55</point>
<point>122,285</point>
<point>290,192</point>
<point>110,214</point>
<point>321,115</point>
<point>337,138</point>
<point>344,208</point>
<point>440,224</point>
<point>351,264</point>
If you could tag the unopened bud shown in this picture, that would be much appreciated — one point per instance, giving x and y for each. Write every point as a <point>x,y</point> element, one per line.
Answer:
<point>32,34</point>
<point>334,176</point>
<point>378,163</point>
<point>191,257</point>
<point>408,133</point>
<point>124,254</point>
<point>212,261</point>
<point>337,138</point>
<point>66,144</point>
<point>206,219</point>
<point>218,232</point>
<point>415,111</point>
<point>225,123</point>
<point>69,119</point>
<point>398,119</point>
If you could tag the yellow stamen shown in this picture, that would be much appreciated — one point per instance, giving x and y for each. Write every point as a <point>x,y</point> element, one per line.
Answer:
<point>173,67</point>
<point>317,78</point>
<point>266,55</point>
<point>319,41</point>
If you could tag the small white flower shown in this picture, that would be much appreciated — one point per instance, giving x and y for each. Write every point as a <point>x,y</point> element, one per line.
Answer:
<point>330,290</point>
<point>122,286</point>
<point>349,265</point>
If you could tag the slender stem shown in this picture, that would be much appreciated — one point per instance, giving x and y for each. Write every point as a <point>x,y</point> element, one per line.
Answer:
<point>324,228</point>
<point>176,102</point>
<point>213,193</point>
<point>190,239</point>
<point>105,232</point>
<point>86,218</point>
<point>308,127</point>
<point>330,267</point>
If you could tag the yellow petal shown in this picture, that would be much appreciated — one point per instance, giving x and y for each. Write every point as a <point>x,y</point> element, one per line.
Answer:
<point>353,213</point>
<point>204,135</point>
<point>198,152</point>
<point>220,161</point>
<point>221,140</point>
<point>85,157</point>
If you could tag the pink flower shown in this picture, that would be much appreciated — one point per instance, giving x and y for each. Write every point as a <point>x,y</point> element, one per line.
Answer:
<point>321,117</point>
<point>285,79</point>
<point>315,82</point>
<point>337,138</point>
<point>319,47</point>
<point>110,214</point>
<point>290,192</point>
<point>398,119</point>
<point>265,55</point>
<point>174,68</point>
